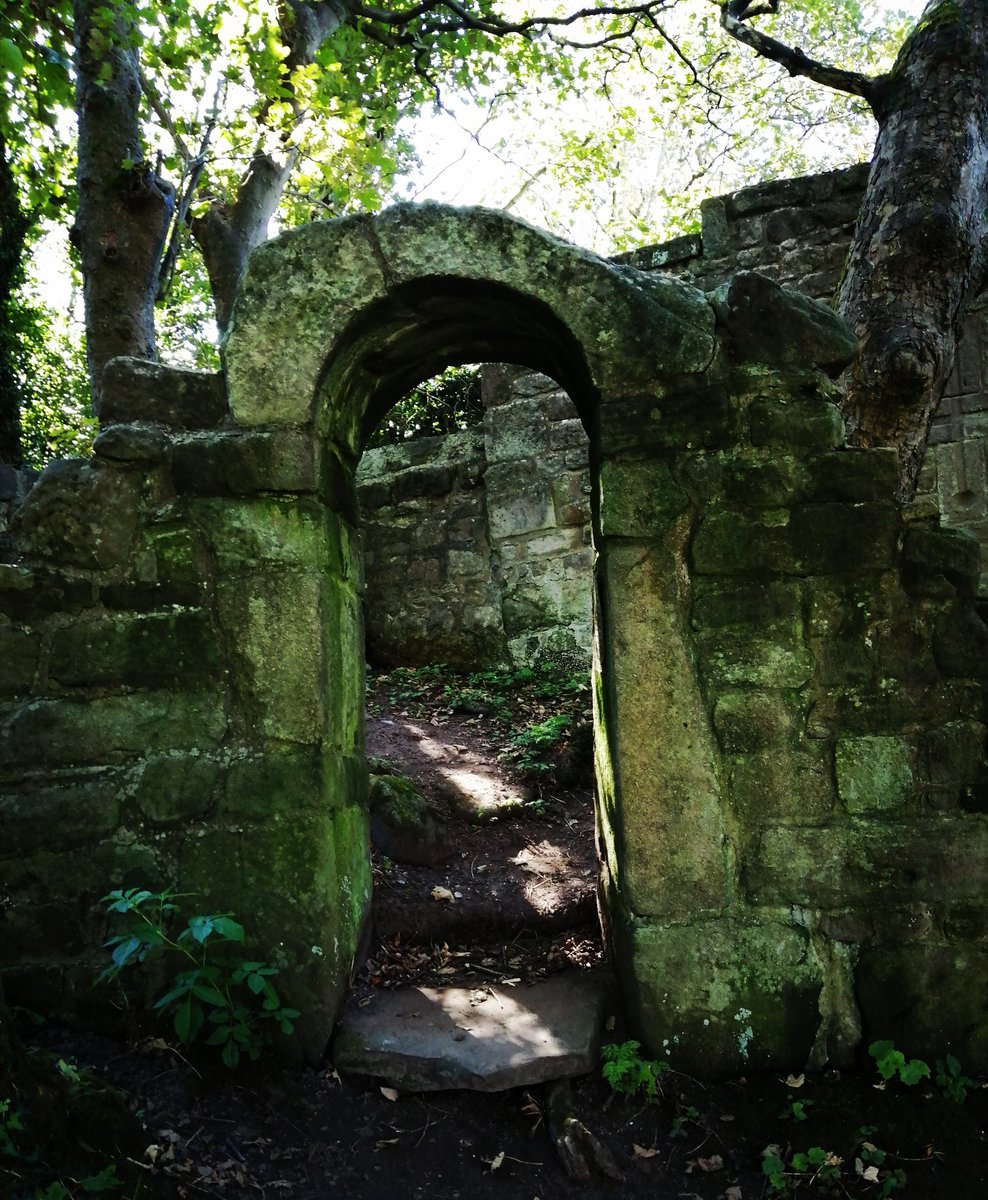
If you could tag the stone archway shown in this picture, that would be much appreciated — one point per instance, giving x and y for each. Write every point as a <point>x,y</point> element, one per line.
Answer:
<point>335,322</point>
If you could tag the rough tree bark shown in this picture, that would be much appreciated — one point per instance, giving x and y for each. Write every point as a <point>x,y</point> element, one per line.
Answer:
<point>227,233</point>
<point>919,247</point>
<point>14,225</point>
<point>124,208</point>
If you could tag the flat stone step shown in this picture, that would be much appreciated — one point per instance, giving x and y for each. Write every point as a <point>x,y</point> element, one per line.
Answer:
<point>483,1039</point>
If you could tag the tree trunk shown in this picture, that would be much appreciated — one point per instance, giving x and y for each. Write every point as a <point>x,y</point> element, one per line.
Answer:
<point>227,233</point>
<point>919,247</point>
<point>14,225</point>
<point>124,208</point>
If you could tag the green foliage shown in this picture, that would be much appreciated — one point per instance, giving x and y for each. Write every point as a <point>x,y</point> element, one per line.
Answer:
<point>449,402</point>
<point>628,1073</point>
<point>954,1084</point>
<point>816,1167</point>
<point>536,741</point>
<point>891,1062</point>
<point>216,996</point>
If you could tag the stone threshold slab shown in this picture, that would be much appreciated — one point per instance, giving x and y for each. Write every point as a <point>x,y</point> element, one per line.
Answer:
<point>485,1039</point>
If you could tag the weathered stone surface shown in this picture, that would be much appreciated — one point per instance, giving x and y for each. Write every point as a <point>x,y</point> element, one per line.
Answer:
<point>867,861</point>
<point>404,825</point>
<point>874,774</point>
<point>237,463</point>
<point>840,538</point>
<point>104,728</point>
<point>960,643</point>
<point>480,1039</point>
<point>638,500</point>
<point>20,653</point>
<point>134,389</point>
<point>953,555</point>
<point>72,814</point>
<point>79,515</point>
<point>733,543</point>
<point>137,649</point>
<point>755,311</point>
<point>135,444</point>
<point>667,805</point>
<point>796,425</point>
<point>175,789</point>
<point>750,997</point>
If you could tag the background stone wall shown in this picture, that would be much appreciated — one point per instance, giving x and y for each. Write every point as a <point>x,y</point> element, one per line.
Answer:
<point>477,545</point>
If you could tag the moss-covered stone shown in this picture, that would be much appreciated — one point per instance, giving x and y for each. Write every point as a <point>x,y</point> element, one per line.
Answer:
<point>20,651</point>
<point>74,813</point>
<point>142,650</point>
<point>278,781</point>
<point>176,788</point>
<point>782,782</point>
<point>939,561</point>
<point>841,538</point>
<point>405,826</point>
<point>753,720</point>
<point>175,556</point>
<point>107,728</point>
<point>667,805</point>
<point>868,862</point>
<point>638,499</point>
<point>275,621</point>
<point>719,997</point>
<point>732,543</point>
<point>234,463</point>
<point>874,774</point>
<point>796,425</point>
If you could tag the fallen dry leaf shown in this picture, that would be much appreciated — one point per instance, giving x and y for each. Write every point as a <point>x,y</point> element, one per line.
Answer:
<point>713,1163</point>
<point>641,1152</point>
<point>733,1193</point>
<point>443,894</point>
<point>497,1160</point>
<point>795,1081</point>
<point>389,1093</point>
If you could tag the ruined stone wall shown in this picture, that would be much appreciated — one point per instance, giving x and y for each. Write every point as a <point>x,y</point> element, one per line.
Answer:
<point>163,641</point>
<point>789,668</point>
<point>477,544</point>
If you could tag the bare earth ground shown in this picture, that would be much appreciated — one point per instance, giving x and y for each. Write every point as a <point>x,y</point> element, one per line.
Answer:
<point>522,906</point>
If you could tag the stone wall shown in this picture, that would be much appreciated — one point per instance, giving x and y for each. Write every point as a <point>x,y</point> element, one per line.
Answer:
<point>789,668</point>
<point>477,544</point>
<point>164,634</point>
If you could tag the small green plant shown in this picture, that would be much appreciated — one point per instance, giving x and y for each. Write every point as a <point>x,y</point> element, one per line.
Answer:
<point>796,1110</point>
<point>686,1115</point>
<point>891,1062</point>
<point>10,1124</point>
<point>954,1084</point>
<point>869,1163</point>
<point>627,1072</point>
<point>218,995</point>
<point>815,1167</point>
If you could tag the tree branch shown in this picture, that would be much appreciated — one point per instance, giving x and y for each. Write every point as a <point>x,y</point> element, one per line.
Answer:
<point>732,18</point>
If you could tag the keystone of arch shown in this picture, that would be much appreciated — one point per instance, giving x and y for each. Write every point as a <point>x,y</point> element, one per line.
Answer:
<point>303,290</point>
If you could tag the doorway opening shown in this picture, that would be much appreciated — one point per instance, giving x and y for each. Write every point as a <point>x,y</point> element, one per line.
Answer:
<point>478,557</point>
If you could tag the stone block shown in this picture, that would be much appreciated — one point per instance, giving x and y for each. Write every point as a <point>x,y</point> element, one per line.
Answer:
<point>719,997</point>
<point>766,323</point>
<point>239,463</point>
<point>951,760</point>
<point>523,508</point>
<point>175,553</point>
<point>80,515</point>
<point>172,790</point>
<point>138,445</point>
<point>841,538</point>
<point>56,819</point>
<point>951,555</point>
<point>273,622</point>
<point>248,535</point>
<point>107,728</point>
<point>638,499</point>
<point>517,430</point>
<point>698,417</point>
<point>784,781</point>
<point>134,389</point>
<point>733,543</point>
<point>960,643</point>
<point>854,475</point>
<point>141,650</point>
<point>767,482</point>
<point>20,650</point>
<point>870,862</point>
<point>668,822</point>
<point>720,603</point>
<point>279,781</point>
<point>874,774</point>
<point>753,720</point>
<point>432,481</point>
<point>571,499</point>
<point>799,425</point>
<point>928,998</point>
